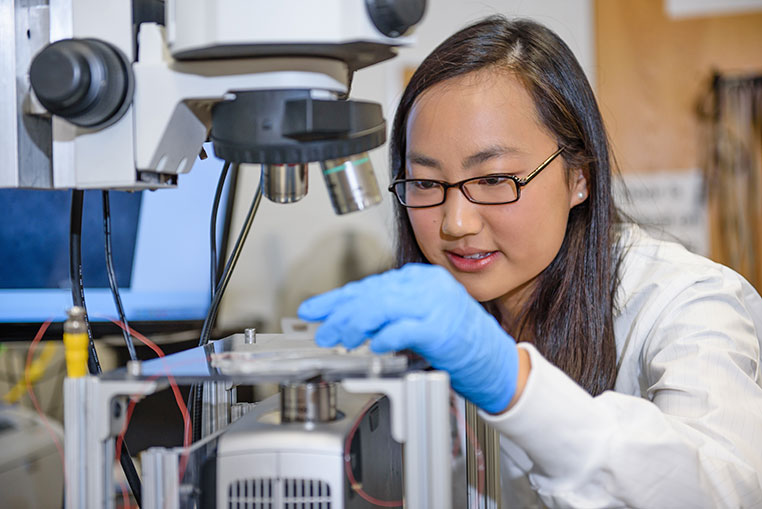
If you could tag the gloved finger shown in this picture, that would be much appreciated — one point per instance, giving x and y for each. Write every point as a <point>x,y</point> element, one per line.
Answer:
<point>327,336</point>
<point>373,303</point>
<point>400,335</point>
<point>408,281</point>
<point>355,320</point>
<point>320,306</point>
<point>339,327</point>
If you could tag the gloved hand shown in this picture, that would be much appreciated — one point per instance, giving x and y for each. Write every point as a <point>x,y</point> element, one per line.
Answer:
<point>423,308</point>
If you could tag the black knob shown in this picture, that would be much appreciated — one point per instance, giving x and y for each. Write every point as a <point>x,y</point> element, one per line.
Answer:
<point>394,17</point>
<point>86,81</point>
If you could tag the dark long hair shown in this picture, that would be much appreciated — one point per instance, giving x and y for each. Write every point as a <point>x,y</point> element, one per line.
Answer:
<point>569,315</point>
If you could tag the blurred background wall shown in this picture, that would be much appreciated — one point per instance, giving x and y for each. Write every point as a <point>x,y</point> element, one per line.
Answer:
<point>676,82</point>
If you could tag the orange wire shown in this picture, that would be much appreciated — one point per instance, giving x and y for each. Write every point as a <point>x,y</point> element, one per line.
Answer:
<point>125,496</point>
<point>28,381</point>
<point>175,390</point>
<point>186,421</point>
<point>395,503</point>
<point>119,440</point>
<point>348,467</point>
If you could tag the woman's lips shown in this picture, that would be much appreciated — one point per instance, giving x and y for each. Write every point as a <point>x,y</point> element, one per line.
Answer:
<point>472,262</point>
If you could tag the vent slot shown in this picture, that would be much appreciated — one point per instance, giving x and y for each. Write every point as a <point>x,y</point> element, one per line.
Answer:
<point>251,494</point>
<point>306,494</point>
<point>295,494</point>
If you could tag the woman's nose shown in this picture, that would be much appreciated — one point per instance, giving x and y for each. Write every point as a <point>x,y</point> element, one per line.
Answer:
<point>461,217</point>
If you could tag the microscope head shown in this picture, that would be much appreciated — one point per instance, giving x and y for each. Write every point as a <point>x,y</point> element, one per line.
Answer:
<point>266,86</point>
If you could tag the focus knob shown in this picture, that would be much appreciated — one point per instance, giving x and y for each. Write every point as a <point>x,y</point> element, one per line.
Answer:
<point>394,17</point>
<point>86,81</point>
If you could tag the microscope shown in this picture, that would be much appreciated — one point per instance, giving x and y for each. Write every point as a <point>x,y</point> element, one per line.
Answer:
<point>121,95</point>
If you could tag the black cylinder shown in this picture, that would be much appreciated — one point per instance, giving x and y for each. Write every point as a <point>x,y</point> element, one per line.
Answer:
<point>290,127</point>
<point>86,81</point>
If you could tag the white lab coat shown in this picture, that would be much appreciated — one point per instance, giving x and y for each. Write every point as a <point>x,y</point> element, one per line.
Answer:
<point>683,426</point>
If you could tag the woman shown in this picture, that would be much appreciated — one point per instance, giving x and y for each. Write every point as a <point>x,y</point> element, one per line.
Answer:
<point>636,378</point>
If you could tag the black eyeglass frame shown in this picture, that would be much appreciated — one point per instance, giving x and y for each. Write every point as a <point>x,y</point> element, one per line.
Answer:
<point>520,182</point>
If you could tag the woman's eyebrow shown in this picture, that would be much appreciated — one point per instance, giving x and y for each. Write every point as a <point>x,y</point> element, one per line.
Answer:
<point>486,154</point>
<point>489,153</point>
<point>422,160</point>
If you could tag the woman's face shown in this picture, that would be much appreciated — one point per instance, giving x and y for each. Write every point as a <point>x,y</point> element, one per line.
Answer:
<point>478,124</point>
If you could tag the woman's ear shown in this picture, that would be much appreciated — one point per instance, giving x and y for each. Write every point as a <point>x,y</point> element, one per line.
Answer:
<point>578,188</point>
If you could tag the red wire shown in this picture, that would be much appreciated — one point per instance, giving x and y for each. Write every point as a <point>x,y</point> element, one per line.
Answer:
<point>348,467</point>
<point>125,497</point>
<point>175,390</point>
<point>28,382</point>
<point>119,440</point>
<point>186,420</point>
<point>388,503</point>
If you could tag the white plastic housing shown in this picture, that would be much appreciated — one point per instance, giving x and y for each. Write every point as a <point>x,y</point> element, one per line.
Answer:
<point>196,24</point>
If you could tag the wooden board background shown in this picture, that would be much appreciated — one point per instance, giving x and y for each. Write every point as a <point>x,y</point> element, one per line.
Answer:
<point>652,70</point>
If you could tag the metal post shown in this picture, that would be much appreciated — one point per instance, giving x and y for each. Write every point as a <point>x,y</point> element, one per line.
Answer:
<point>439,456</point>
<point>75,442</point>
<point>161,483</point>
<point>482,461</point>
<point>215,407</point>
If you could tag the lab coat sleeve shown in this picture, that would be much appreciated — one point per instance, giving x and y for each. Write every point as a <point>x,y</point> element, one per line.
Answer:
<point>693,440</point>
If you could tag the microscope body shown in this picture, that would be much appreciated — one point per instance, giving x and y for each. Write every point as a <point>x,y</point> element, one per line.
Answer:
<point>94,99</point>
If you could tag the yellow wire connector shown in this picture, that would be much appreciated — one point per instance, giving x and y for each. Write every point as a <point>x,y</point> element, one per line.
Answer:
<point>76,342</point>
<point>35,372</point>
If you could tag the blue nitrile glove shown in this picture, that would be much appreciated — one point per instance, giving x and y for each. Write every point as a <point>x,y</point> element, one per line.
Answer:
<point>423,308</point>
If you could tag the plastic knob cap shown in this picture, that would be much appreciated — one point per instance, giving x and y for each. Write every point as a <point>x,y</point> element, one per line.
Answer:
<point>86,81</point>
<point>72,77</point>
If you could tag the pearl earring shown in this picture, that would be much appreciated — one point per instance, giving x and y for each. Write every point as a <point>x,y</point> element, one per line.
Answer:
<point>580,195</point>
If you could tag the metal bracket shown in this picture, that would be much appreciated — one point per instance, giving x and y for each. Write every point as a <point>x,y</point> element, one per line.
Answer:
<point>94,413</point>
<point>420,410</point>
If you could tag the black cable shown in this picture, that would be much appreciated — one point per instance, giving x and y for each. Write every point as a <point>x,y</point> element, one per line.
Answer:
<point>112,277</point>
<point>195,396</point>
<point>78,296</point>
<point>211,315</point>
<point>130,473</point>
<point>213,228</point>
<point>75,272</point>
<point>213,258</point>
<point>228,219</point>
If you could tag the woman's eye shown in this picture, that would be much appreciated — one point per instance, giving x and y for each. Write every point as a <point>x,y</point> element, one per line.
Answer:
<point>492,180</point>
<point>424,184</point>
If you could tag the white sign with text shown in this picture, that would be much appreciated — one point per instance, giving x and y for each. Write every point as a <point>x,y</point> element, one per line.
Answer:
<point>668,204</point>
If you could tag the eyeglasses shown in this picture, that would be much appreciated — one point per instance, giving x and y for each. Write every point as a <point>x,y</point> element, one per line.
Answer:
<point>495,189</point>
